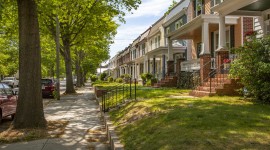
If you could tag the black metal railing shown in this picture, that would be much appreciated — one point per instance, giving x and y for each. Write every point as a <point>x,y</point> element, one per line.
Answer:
<point>218,76</point>
<point>117,95</point>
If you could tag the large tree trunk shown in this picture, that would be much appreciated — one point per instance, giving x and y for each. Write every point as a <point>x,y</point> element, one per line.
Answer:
<point>29,113</point>
<point>79,57</point>
<point>68,64</point>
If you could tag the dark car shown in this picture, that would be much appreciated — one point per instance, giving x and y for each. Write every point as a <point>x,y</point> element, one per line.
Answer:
<point>8,101</point>
<point>48,87</point>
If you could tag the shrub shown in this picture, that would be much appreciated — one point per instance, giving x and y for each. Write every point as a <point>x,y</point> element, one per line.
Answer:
<point>93,78</point>
<point>253,67</point>
<point>122,76</point>
<point>110,79</point>
<point>127,75</point>
<point>103,76</point>
<point>148,76</point>
<point>119,80</point>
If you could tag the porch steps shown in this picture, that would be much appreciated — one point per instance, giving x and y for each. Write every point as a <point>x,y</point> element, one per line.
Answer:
<point>169,81</point>
<point>220,85</point>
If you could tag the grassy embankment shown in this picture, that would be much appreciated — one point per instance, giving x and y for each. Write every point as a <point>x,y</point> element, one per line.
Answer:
<point>168,119</point>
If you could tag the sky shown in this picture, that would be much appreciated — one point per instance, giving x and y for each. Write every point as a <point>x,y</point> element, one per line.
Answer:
<point>139,21</point>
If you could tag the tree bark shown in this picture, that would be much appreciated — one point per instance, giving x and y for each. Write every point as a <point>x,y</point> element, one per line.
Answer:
<point>68,64</point>
<point>29,113</point>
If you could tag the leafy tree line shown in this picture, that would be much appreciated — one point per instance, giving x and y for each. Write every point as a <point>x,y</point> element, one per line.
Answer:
<point>87,27</point>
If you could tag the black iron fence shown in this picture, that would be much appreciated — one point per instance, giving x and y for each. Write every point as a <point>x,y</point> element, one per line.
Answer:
<point>117,95</point>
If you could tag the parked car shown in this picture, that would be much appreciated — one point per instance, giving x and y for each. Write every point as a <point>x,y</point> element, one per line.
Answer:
<point>8,101</point>
<point>48,87</point>
<point>11,81</point>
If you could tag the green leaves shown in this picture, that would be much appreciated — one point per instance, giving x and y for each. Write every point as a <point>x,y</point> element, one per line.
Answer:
<point>253,67</point>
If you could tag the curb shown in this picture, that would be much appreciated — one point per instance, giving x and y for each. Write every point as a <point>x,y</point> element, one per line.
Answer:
<point>114,141</point>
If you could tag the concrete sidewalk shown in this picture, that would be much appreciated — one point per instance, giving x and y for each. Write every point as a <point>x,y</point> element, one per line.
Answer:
<point>83,115</point>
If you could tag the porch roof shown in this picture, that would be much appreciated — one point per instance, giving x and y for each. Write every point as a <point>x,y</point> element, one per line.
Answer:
<point>242,7</point>
<point>193,28</point>
<point>164,50</point>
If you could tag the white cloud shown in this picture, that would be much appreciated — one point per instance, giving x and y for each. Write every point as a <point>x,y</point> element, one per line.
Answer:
<point>136,23</point>
<point>150,8</point>
<point>125,36</point>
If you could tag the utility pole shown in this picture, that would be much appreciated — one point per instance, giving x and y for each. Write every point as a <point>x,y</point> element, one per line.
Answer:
<point>57,58</point>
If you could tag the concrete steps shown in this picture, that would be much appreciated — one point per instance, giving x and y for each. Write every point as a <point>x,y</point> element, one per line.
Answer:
<point>219,85</point>
<point>169,81</point>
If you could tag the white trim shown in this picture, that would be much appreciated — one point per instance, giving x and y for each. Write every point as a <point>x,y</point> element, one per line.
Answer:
<point>229,6</point>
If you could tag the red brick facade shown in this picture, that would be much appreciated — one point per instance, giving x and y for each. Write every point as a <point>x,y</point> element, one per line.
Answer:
<point>205,63</point>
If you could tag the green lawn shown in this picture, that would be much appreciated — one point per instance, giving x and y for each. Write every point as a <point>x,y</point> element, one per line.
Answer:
<point>162,119</point>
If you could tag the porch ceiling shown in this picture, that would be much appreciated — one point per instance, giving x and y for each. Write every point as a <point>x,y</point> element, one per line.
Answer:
<point>260,5</point>
<point>194,28</point>
<point>242,7</point>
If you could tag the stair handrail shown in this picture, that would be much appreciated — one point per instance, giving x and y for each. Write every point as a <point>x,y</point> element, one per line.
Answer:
<point>199,83</point>
<point>218,70</point>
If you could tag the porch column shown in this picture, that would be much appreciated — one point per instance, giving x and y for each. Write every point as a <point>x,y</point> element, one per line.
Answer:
<point>222,33</point>
<point>120,70</point>
<point>163,66</point>
<point>222,52</point>
<point>145,64</point>
<point>205,39</point>
<point>170,63</point>
<point>205,56</point>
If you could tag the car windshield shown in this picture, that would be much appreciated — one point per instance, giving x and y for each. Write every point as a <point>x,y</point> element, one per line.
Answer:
<point>9,78</point>
<point>46,81</point>
<point>5,89</point>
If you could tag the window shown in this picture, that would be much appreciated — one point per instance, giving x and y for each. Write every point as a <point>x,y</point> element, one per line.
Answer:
<point>228,39</point>
<point>198,7</point>
<point>168,30</point>
<point>177,25</point>
<point>143,48</point>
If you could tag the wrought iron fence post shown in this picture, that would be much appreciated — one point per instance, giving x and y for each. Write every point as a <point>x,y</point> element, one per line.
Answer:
<point>135,82</point>
<point>130,88</point>
<point>123,88</point>
<point>210,83</point>
<point>116,95</point>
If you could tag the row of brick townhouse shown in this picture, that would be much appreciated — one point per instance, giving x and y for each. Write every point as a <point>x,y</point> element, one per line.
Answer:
<point>195,36</point>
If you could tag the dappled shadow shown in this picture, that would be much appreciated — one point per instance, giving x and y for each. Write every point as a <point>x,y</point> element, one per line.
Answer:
<point>83,116</point>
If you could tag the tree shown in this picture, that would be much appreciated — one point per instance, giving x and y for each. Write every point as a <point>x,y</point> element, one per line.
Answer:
<point>29,113</point>
<point>174,3</point>
<point>253,67</point>
<point>8,38</point>
<point>81,17</point>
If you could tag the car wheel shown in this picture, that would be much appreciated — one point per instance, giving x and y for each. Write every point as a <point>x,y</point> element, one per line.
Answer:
<point>12,117</point>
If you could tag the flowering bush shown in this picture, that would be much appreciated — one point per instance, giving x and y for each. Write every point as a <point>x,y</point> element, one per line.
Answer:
<point>251,33</point>
<point>226,61</point>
